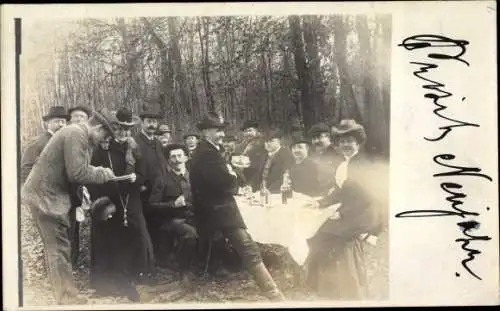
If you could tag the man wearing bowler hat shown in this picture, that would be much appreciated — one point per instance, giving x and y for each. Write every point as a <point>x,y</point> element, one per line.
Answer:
<point>153,165</point>
<point>79,114</point>
<point>213,185</point>
<point>46,192</point>
<point>191,139</point>
<point>164,134</point>
<point>304,172</point>
<point>54,120</point>
<point>252,146</point>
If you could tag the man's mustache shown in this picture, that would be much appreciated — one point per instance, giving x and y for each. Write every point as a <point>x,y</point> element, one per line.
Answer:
<point>152,127</point>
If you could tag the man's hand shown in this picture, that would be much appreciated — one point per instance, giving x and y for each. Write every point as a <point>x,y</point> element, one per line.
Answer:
<point>230,170</point>
<point>133,178</point>
<point>143,188</point>
<point>180,201</point>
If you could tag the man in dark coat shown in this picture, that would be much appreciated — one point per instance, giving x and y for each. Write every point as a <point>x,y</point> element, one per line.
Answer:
<point>337,261</point>
<point>153,165</point>
<point>252,146</point>
<point>213,184</point>
<point>55,119</point>
<point>171,203</point>
<point>121,246</point>
<point>304,172</point>
<point>46,193</point>
<point>325,154</point>
<point>278,160</point>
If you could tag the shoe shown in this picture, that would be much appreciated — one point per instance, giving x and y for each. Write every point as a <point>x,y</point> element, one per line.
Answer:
<point>266,282</point>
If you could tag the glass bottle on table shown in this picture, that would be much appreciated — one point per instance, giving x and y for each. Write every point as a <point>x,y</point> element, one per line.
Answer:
<point>284,188</point>
<point>264,195</point>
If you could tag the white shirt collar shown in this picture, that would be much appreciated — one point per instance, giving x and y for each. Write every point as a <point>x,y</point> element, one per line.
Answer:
<point>50,132</point>
<point>216,146</point>
<point>272,154</point>
<point>147,136</point>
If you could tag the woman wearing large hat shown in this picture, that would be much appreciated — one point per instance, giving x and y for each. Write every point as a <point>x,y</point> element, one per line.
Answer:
<point>337,259</point>
<point>121,247</point>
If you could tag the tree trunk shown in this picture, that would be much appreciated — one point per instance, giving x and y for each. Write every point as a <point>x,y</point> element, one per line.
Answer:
<point>302,71</point>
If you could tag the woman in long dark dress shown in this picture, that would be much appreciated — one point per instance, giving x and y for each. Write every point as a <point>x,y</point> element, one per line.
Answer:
<point>337,260</point>
<point>121,247</point>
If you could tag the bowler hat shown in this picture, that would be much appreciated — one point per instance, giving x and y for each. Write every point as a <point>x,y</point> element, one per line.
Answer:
<point>300,140</point>
<point>125,117</point>
<point>318,128</point>
<point>191,134</point>
<point>212,120</point>
<point>56,112</point>
<point>83,108</point>
<point>102,208</point>
<point>250,123</point>
<point>273,133</point>
<point>350,127</point>
<point>106,118</point>
<point>163,128</point>
<point>150,113</point>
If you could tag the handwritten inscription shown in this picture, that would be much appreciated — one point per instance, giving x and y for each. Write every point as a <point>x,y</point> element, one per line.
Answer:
<point>448,49</point>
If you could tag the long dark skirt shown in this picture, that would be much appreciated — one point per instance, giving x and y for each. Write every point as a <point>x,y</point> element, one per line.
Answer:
<point>119,253</point>
<point>337,269</point>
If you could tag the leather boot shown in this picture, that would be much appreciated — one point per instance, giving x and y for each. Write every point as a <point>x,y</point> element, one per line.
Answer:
<point>266,282</point>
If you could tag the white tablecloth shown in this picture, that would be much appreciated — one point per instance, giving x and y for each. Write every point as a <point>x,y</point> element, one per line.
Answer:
<point>289,225</point>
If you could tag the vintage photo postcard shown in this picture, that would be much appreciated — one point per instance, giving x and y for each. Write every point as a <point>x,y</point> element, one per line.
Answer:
<point>249,155</point>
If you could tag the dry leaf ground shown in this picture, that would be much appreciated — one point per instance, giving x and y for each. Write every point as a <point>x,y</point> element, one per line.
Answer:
<point>238,287</point>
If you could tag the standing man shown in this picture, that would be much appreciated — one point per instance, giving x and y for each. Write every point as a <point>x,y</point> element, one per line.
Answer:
<point>278,160</point>
<point>164,134</point>
<point>153,166</point>
<point>54,121</point>
<point>46,193</point>
<point>77,114</point>
<point>213,185</point>
<point>252,146</point>
<point>191,141</point>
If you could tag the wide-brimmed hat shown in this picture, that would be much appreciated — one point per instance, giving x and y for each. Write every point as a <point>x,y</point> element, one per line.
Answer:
<point>318,128</point>
<point>250,123</point>
<point>212,120</point>
<point>150,113</point>
<point>106,118</point>
<point>350,127</point>
<point>102,208</point>
<point>125,117</point>
<point>163,128</point>
<point>56,112</point>
<point>83,108</point>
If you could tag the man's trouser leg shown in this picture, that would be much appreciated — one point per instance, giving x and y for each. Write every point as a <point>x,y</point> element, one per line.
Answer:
<point>249,252</point>
<point>74,237</point>
<point>54,233</point>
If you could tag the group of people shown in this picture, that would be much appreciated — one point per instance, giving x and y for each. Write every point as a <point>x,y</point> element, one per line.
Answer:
<point>149,196</point>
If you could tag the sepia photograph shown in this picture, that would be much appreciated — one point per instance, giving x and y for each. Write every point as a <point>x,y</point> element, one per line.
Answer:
<point>205,159</point>
<point>249,155</point>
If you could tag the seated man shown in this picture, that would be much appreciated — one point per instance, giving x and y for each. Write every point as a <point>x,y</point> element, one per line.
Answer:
<point>171,203</point>
<point>304,172</point>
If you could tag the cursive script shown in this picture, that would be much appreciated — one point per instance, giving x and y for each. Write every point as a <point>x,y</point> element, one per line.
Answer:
<point>456,195</point>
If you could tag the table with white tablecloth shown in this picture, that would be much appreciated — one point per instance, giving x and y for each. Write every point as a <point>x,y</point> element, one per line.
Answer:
<point>289,225</point>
